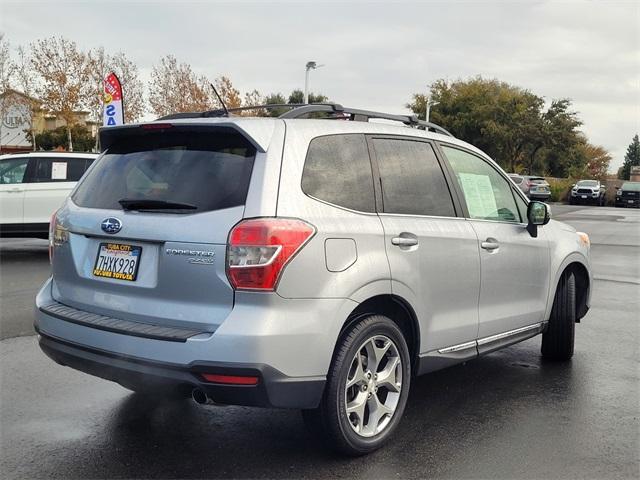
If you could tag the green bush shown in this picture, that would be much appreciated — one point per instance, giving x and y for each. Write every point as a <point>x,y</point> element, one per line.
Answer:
<point>560,188</point>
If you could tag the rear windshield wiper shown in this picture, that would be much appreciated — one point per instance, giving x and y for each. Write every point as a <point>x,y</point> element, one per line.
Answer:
<point>130,204</point>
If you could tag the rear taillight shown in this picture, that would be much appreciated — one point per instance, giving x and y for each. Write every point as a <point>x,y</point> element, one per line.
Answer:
<point>260,248</point>
<point>52,228</point>
<point>57,235</point>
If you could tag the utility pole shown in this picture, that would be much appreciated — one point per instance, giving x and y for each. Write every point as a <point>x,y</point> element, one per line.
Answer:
<point>309,66</point>
<point>428,105</point>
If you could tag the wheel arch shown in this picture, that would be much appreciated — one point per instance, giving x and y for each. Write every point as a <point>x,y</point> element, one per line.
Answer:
<point>399,311</point>
<point>583,285</point>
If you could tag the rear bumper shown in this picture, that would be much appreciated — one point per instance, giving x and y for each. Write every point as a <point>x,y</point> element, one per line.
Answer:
<point>274,389</point>
<point>540,196</point>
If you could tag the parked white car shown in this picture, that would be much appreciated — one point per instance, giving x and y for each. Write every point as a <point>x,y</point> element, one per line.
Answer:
<point>33,186</point>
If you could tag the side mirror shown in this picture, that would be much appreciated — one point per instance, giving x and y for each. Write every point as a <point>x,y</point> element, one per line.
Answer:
<point>538,214</point>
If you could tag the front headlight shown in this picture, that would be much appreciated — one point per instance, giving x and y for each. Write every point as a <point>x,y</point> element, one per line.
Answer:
<point>619,193</point>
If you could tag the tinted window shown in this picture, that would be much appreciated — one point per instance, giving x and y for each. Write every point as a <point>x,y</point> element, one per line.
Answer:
<point>209,170</point>
<point>412,180</point>
<point>50,169</point>
<point>631,186</point>
<point>487,193</point>
<point>517,180</point>
<point>12,170</point>
<point>587,183</point>
<point>537,180</point>
<point>338,170</point>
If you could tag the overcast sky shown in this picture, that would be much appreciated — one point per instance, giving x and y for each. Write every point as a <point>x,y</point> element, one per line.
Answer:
<point>376,53</point>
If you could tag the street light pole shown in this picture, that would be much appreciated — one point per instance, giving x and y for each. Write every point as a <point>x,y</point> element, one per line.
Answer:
<point>428,105</point>
<point>309,66</point>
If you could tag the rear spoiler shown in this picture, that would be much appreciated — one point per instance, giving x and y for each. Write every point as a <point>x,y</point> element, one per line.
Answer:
<point>257,132</point>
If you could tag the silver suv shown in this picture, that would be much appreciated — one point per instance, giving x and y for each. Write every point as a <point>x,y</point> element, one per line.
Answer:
<point>316,264</point>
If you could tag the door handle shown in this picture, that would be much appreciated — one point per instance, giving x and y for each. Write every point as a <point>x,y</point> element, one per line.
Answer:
<point>404,241</point>
<point>490,244</point>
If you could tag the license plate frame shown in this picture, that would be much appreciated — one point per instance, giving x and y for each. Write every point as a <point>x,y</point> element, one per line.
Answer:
<point>117,270</point>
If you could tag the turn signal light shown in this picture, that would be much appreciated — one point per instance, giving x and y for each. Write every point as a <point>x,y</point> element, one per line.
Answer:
<point>259,249</point>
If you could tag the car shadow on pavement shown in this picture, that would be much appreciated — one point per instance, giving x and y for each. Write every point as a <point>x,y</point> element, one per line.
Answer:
<point>461,406</point>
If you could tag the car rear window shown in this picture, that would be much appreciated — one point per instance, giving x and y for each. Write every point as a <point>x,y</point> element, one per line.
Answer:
<point>537,180</point>
<point>208,170</point>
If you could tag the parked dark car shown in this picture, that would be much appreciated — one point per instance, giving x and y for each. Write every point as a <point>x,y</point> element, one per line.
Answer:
<point>587,191</point>
<point>628,195</point>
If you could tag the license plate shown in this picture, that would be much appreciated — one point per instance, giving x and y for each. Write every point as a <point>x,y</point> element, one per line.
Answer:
<point>630,201</point>
<point>118,261</point>
<point>584,196</point>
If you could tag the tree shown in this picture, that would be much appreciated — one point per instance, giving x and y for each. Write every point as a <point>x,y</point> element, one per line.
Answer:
<point>6,70</point>
<point>58,139</point>
<point>275,99</point>
<point>595,161</point>
<point>99,66</point>
<point>507,122</point>
<point>562,145</point>
<point>175,88</point>
<point>297,96</point>
<point>254,98</point>
<point>132,86</point>
<point>64,74</point>
<point>230,95</point>
<point>631,159</point>
<point>26,82</point>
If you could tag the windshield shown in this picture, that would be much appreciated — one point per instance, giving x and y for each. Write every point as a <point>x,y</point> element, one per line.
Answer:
<point>631,186</point>
<point>166,171</point>
<point>587,183</point>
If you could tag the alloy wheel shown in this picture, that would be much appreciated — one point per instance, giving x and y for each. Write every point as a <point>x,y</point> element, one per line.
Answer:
<point>373,386</point>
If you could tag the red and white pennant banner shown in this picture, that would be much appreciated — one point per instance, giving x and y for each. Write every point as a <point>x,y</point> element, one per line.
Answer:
<point>113,106</point>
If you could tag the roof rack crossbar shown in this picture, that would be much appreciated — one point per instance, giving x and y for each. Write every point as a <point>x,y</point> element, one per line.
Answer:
<point>299,110</point>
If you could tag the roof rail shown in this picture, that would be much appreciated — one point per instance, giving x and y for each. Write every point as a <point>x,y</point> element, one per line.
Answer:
<point>359,115</point>
<point>299,110</point>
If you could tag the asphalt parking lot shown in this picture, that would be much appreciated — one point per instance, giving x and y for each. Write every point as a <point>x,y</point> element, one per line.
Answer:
<point>505,415</point>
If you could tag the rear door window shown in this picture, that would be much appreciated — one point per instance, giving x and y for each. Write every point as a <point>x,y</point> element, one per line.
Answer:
<point>338,170</point>
<point>13,170</point>
<point>53,169</point>
<point>208,170</point>
<point>412,180</point>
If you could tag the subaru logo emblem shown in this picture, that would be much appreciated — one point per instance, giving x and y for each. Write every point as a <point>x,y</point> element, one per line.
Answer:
<point>111,225</point>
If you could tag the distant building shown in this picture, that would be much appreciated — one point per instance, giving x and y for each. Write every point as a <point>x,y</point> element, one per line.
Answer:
<point>14,121</point>
<point>635,174</point>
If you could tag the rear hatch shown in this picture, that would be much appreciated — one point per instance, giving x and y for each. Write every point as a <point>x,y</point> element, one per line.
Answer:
<point>146,228</point>
<point>538,185</point>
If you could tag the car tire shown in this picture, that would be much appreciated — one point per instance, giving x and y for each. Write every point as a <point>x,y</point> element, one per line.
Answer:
<point>356,433</point>
<point>558,339</point>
